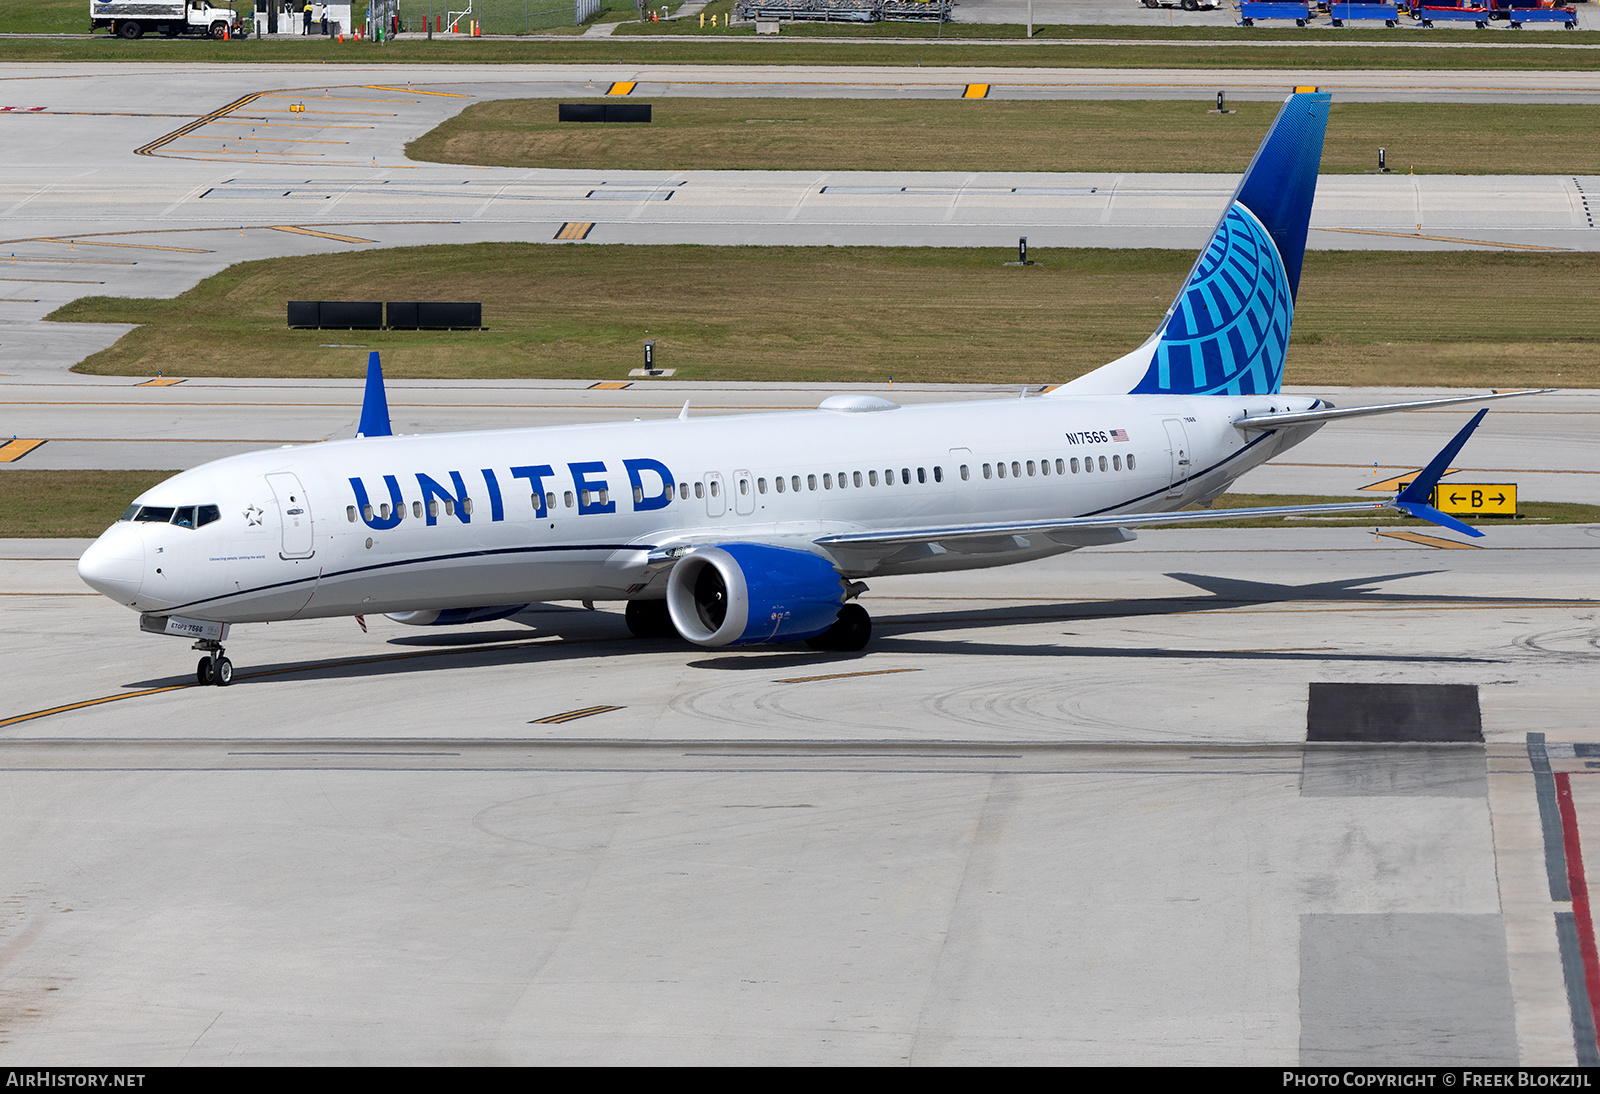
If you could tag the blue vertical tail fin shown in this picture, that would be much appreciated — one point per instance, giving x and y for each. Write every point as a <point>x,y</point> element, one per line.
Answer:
<point>1227,332</point>
<point>375,403</point>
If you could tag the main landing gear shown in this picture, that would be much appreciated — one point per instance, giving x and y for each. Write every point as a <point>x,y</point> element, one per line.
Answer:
<point>213,668</point>
<point>850,633</point>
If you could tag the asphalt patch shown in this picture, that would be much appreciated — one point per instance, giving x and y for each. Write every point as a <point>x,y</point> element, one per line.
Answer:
<point>1394,713</point>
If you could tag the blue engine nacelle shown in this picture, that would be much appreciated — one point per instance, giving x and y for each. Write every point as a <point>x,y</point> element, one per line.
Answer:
<point>740,593</point>
<point>454,617</point>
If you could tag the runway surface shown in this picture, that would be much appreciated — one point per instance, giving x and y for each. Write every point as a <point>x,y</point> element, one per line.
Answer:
<point>231,172</point>
<point>1131,805</point>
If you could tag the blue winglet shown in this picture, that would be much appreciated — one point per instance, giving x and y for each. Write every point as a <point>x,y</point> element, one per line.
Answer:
<point>375,405</point>
<point>1415,500</point>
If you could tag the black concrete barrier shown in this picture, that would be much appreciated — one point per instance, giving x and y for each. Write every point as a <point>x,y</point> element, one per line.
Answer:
<point>434,315</point>
<point>603,112</point>
<point>369,315</point>
<point>337,314</point>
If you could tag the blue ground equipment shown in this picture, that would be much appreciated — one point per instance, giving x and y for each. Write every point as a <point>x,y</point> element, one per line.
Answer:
<point>1251,10</point>
<point>1386,12</point>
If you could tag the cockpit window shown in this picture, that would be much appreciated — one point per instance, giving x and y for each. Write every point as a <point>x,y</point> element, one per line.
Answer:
<point>205,514</point>
<point>154,514</point>
<point>132,511</point>
<point>184,517</point>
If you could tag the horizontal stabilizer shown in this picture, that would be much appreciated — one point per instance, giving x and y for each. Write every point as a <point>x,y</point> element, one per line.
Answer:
<point>1260,423</point>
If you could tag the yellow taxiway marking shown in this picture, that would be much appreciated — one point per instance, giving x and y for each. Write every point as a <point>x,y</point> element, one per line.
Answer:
<point>1431,541</point>
<point>315,666</point>
<point>575,229</point>
<point>414,91</point>
<point>623,87</point>
<point>72,261</point>
<point>1400,482</point>
<point>222,111</point>
<point>16,448</point>
<point>571,715</point>
<point>161,381</point>
<point>264,140</point>
<point>50,281</point>
<point>90,703</point>
<point>1443,239</point>
<point>611,385</point>
<point>332,98</point>
<point>319,235</point>
<point>842,675</point>
<point>132,246</point>
<point>976,91</point>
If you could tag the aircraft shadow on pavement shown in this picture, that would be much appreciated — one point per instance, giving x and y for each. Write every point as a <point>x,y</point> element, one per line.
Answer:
<point>551,634</point>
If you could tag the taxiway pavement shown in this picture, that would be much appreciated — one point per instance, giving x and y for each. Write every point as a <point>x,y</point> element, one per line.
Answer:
<point>229,171</point>
<point>1059,813</point>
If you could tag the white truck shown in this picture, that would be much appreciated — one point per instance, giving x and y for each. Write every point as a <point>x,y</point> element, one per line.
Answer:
<point>131,18</point>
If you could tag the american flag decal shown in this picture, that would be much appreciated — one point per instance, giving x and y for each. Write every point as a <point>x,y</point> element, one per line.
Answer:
<point>1119,434</point>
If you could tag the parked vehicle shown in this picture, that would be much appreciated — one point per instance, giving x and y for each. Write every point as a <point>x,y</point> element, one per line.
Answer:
<point>1186,5</point>
<point>1518,12</point>
<point>132,18</point>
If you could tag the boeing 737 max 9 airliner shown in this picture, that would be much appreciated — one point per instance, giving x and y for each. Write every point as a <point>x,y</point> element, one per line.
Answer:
<point>760,527</point>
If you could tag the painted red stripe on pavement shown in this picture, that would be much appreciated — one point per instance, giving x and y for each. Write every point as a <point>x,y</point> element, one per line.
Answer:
<point>1579,887</point>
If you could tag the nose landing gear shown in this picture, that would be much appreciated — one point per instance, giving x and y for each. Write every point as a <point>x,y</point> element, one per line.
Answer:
<point>213,668</point>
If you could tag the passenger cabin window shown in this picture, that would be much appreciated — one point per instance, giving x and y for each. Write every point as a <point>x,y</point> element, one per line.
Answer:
<point>699,489</point>
<point>778,482</point>
<point>965,474</point>
<point>811,482</point>
<point>905,476</point>
<point>1130,461</point>
<point>566,498</point>
<point>987,471</point>
<point>1116,463</point>
<point>794,483</point>
<point>761,486</point>
<point>1102,463</point>
<point>350,513</point>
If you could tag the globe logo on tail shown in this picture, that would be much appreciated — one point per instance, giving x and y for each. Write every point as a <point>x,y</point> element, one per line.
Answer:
<point>1228,331</point>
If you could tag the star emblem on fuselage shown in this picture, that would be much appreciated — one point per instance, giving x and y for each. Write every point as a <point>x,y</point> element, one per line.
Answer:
<point>252,516</point>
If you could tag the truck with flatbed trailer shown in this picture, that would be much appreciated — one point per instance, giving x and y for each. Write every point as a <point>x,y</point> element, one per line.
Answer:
<point>170,18</point>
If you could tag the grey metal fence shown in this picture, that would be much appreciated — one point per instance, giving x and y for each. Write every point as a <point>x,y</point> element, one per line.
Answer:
<point>494,16</point>
<point>846,11</point>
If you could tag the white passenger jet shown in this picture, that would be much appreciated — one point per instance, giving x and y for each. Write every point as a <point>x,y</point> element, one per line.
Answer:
<point>761,527</point>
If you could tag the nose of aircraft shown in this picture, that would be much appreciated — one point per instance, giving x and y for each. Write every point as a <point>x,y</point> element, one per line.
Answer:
<point>114,563</point>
